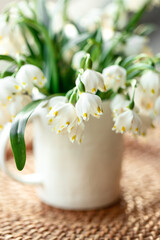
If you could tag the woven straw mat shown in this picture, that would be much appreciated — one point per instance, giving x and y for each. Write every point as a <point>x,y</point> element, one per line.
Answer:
<point>136,216</point>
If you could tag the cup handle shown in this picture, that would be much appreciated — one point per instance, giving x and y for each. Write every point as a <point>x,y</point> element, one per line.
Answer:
<point>32,179</point>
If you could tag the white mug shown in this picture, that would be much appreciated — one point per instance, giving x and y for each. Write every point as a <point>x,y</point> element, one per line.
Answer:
<point>72,176</point>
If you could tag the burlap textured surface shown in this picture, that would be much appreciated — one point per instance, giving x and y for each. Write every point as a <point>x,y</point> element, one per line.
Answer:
<point>135,216</point>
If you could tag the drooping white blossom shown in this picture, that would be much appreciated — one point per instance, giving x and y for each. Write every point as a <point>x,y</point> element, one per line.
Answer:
<point>27,8</point>
<point>89,104</point>
<point>76,132</point>
<point>55,10</point>
<point>29,76</point>
<point>5,28</point>
<point>9,110</point>
<point>127,121</point>
<point>92,81</point>
<point>61,114</point>
<point>56,100</point>
<point>119,104</point>
<point>11,38</point>
<point>150,83</point>
<point>91,20</point>
<point>110,13</point>
<point>114,77</point>
<point>135,45</point>
<point>8,88</point>
<point>12,41</point>
<point>62,118</point>
<point>76,61</point>
<point>18,104</point>
<point>144,101</point>
<point>70,31</point>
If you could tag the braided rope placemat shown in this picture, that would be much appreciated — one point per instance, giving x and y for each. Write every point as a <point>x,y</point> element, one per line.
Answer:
<point>136,216</point>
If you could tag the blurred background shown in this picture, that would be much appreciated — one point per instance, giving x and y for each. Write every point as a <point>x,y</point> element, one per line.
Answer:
<point>81,7</point>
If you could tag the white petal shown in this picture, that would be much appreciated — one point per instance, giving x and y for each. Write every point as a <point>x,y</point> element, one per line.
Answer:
<point>76,61</point>
<point>30,75</point>
<point>114,77</point>
<point>88,104</point>
<point>150,82</point>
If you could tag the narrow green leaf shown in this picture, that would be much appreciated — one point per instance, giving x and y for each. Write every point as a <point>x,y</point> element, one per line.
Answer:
<point>139,66</point>
<point>42,13</point>
<point>136,17</point>
<point>77,41</point>
<point>17,133</point>
<point>49,53</point>
<point>7,58</point>
<point>23,31</point>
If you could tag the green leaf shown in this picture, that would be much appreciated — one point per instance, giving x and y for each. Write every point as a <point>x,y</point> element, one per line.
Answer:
<point>145,29</point>
<point>139,66</point>
<point>136,17</point>
<point>7,58</point>
<point>127,61</point>
<point>77,41</point>
<point>6,74</point>
<point>42,13</point>
<point>23,31</point>
<point>17,133</point>
<point>49,53</point>
<point>106,95</point>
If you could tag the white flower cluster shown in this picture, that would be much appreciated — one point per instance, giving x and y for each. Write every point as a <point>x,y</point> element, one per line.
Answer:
<point>146,106</point>
<point>148,93</point>
<point>64,117</point>
<point>11,38</point>
<point>15,92</point>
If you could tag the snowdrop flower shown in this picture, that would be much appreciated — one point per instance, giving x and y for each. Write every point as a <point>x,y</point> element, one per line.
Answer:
<point>127,121</point>
<point>109,14</point>
<point>70,31</point>
<point>144,101</point>
<point>92,81</point>
<point>139,43</point>
<point>157,107</point>
<point>20,101</point>
<point>118,104</point>
<point>76,133</point>
<point>76,61</point>
<point>30,75</point>
<point>55,10</point>
<point>55,101</point>
<point>9,111</point>
<point>89,104</point>
<point>8,88</point>
<point>5,27</point>
<point>11,39</point>
<point>7,47</point>
<point>114,77</point>
<point>91,20</point>
<point>150,82</point>
<point>62,115</point>
<point>27,8</point>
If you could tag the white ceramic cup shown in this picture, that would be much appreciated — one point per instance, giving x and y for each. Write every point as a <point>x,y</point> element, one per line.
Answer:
<point>72,176</point>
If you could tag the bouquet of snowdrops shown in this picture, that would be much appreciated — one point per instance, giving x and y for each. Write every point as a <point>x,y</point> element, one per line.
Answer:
<point>67,67</point>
